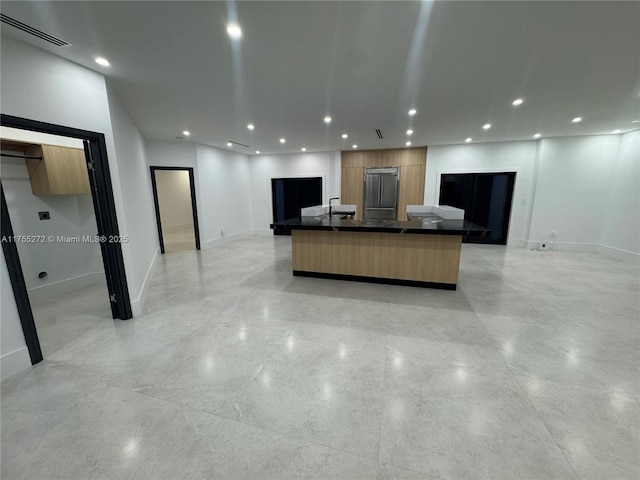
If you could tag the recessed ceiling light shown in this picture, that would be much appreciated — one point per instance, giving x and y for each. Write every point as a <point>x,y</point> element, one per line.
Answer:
<point>354,146</point>
<point>409,132</point>
<point>576,120</point>
<point>257,151</point>
<point>234,30</point>
<point>186,133</point>
<point>102,61</point>
<point>617,130</point>
<point>229,144</point>
<point>412,112</point>
<point>537,135</point>
<point>408,144</point>
<point>344,135</point>
<point>327,119</point>
<point>517,101</point>
<point>486,126</point>
<point>251,126</point>
<point>303,149</point>
<point>282,140</point>
<point>468,139</point>
<point>635,121</point>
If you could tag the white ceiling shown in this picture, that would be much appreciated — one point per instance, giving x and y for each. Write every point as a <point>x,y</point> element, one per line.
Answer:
<point>460,64</point>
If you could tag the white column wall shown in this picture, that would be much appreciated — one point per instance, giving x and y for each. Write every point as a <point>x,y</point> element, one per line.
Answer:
<point>574,175</point>
<point>224,182</point>
<point>621,228</point>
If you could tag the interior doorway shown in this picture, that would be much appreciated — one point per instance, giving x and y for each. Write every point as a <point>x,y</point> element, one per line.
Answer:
<point>486,199</point>
<point>289,195</point>
<point>174,197</point>
<point>92,157</point>
<point>55,234</point>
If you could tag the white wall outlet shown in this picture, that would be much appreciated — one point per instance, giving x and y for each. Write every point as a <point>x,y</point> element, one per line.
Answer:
<point>553,234</point>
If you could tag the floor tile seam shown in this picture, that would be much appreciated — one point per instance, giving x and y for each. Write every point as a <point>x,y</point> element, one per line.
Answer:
<point>428,475</point>
<point>382,403</point>
<point>299,439</point>
<point>493,341</point>
<point>545,324</point>
<point>553,438</point>
<point>607,361</point>
<point>573,384</point>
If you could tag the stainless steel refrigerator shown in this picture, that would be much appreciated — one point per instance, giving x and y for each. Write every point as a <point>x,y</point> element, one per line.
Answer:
<point>381,193</point>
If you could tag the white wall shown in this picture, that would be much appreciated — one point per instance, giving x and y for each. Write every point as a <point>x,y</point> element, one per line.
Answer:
<point>135,183</point>
<point>516,157</point>
<point>621,228</point>
<point>225,192</point>
<point>572,189</point>
<point>266,167</point>
<point>223,189</point>
<point>14,356</point>
<point>174,197</point>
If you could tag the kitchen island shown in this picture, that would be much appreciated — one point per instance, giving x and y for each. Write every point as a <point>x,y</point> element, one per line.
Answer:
<point>421,252</point>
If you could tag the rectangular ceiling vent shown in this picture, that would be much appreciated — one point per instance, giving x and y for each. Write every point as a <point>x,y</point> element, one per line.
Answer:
<point>33,31</point>
<point>379,133</point>
<point>238,144</point>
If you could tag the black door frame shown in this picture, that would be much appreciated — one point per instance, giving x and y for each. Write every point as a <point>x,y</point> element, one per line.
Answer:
<point>194,206</point>
<point>106,220</point>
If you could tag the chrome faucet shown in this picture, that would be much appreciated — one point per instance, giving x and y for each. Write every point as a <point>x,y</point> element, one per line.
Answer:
<point>330,207</point>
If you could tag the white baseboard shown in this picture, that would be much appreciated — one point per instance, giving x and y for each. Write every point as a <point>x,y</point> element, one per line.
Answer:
<point>564,246</point>
<point>207,244</point>
<point>138,304</point>
<point>14,362</point>
<point>585,247</point>
<point>619,253</point>
<point>67,285</point>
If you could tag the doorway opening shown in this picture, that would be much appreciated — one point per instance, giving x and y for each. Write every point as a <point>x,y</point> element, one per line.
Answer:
<point>289,195</point>
<point>174,197</point>
<point>486,199</point>
<point>83,226</point>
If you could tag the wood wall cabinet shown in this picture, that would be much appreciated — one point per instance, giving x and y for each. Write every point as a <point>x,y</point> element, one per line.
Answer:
<point>352,159</point>
<point>373,158</point>
<point>412,166</point>
<point>410,188</point>
<point>62,170</point>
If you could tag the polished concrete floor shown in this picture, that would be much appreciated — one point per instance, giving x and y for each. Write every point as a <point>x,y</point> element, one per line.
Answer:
<point>530,370</point>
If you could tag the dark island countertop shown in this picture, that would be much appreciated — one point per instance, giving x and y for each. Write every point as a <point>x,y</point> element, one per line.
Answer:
<point>428,225</point>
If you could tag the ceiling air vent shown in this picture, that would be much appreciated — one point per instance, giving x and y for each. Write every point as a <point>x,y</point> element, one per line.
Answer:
<point>33,31</point>
<point>379,133</point>
<point>239,144</point>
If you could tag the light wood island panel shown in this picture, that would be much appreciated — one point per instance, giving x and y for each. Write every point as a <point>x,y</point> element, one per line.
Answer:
<point>425,258</point>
